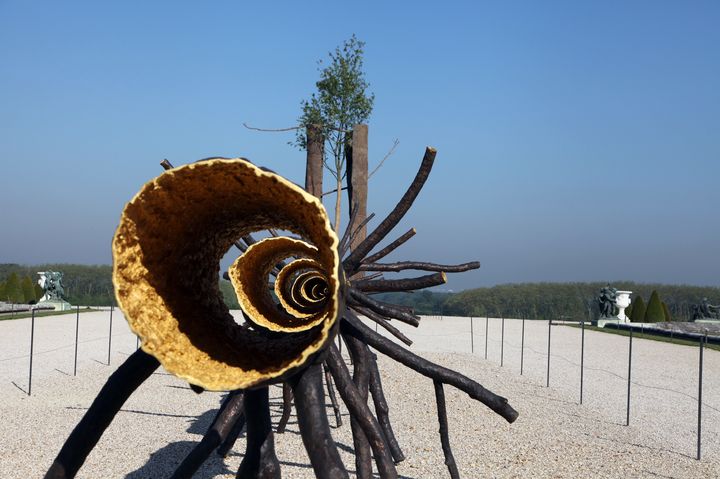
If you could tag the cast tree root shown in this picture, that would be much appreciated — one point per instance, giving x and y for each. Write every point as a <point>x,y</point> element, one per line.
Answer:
<point>376,446</point>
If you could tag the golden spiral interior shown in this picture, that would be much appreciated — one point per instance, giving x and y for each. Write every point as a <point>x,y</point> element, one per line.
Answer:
<point>254,295</point>
<point>167,251</point>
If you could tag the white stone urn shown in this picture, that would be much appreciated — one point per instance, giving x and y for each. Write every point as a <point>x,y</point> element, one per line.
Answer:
<point>622,301</point>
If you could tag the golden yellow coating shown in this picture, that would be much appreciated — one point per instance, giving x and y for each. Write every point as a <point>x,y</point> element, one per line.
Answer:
<point>284,284</point>
<point>167,251</point>
<point>249,278</point>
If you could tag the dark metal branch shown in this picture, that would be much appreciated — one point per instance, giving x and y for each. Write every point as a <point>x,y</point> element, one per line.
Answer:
<point>260,461</point>
<point>229,441</point>
<point>229,414</point>
<point>356,298</point>
<point>334,191</point>
<point>360,353</point>
<point>382,411</point>
<point>419,265</point>
<point>314,428</point>
<point>287,408</point>
<point>345,240</point>
<point>333,397</point>
<point>273,130</point>
<point>372,276</point>
<point>384,323</point>
<point>360,411</point>
<point>383,285</point>
<point>352,327</point>
<point>118,388</point>
<point>351,262</point>
<point>390,248</point>
<point>356,232</point>
<point>444,437</point>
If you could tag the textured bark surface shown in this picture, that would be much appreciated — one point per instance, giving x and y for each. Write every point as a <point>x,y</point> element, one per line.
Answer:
<point>358,181</point>
<point>260,461</point>
<point>314,427</point>
<point>314,165</point>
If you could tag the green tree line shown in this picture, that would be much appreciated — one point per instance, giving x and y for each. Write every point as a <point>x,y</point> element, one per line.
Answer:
<point>86,285</point>
<point>554,300</point>
<point>91,285</point>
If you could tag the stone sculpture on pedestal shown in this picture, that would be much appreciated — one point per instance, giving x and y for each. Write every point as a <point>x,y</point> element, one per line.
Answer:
<point>51,283</point>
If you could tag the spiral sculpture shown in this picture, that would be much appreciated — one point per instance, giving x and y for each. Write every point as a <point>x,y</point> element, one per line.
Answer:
<point>296,298</point>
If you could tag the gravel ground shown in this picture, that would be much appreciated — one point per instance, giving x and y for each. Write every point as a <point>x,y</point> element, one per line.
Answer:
<point>555,436</point>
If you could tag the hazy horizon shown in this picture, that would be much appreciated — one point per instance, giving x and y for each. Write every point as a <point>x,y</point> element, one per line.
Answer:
<point>576,142</point>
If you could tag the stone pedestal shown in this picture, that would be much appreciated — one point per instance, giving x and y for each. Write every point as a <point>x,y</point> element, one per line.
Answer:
<point>57,304</point>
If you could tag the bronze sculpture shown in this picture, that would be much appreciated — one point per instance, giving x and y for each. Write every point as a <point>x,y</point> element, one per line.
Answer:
<point>166,263</point>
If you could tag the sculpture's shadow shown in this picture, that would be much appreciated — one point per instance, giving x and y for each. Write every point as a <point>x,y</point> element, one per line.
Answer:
<point>163,462</point>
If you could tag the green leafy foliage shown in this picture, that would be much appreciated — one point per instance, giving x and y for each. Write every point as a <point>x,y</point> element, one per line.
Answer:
<point>552,300</point>
<point>638,310</point>
<point>13,290</point>
<point>86,285</point>
<point>666,311</point>
<point>654,312</point>
<point>340,102</point>
<point>28,290</point>
<point>229,295</point>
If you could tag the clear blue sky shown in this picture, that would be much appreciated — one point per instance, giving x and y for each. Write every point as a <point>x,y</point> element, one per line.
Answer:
<point>576,140</point>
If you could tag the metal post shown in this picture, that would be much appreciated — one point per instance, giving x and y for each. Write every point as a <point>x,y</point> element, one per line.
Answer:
<point>137,343</point>
<point>472,336</point>
<point>502,341</point>
<point>32,344</point>
<point>77,329</point>
<point>582,359</point>
<point>486,335</point>
<point>522,347</point>
<point>627,419</point>
<point>547,384</point>
<point>110,334</point>
<point>700,381</point>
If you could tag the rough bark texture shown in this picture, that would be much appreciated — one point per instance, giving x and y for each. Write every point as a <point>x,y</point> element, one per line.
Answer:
<point>314,427</point>
<point>360,411</point>
<point>358,180</point>
<point>382,411</point>
<point>333,397</point>
<point>314,166</point>
<point>287,408</point>
<point>475,390</point>
<point>260,461</point>
<point>362,249</point>
<point>444,435</point>
<point>361,377</point>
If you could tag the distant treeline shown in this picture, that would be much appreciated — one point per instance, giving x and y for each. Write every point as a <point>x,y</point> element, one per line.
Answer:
<point>549,300</point>
<point>92,286</point>
<point>86,285</point>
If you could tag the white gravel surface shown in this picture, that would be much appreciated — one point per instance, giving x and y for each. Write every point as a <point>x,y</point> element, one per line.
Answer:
<point>555,436</point>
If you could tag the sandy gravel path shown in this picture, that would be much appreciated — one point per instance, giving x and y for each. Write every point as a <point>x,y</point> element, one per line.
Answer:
<point>554,436</point>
